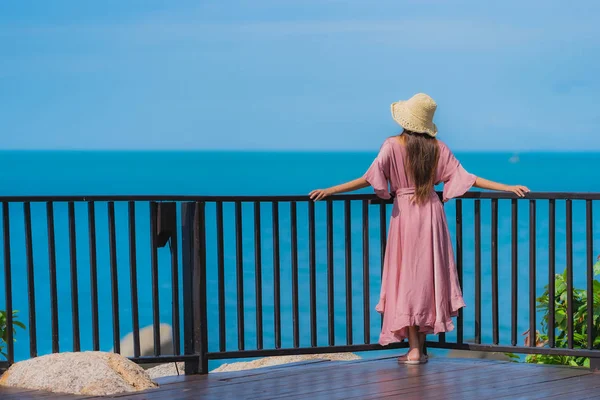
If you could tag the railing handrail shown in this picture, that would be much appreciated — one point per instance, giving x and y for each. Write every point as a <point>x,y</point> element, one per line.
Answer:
<point>284,198</point>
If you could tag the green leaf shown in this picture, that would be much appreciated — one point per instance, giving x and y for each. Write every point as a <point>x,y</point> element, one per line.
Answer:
<point>513,357</point>
<point>580,338</point>
<point>560,318</point>
<point>4,328</point>
<point>19,324</point>
<point>597,267</point>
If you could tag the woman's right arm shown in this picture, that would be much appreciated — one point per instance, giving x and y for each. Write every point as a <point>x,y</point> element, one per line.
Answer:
<point>519,190</point>
<point>320,194</point>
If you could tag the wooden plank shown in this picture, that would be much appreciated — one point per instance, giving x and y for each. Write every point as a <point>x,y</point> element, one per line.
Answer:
<point>521,376</point>
<point>404,381</point>
<point>587,394</point>
<point>575,390</point>
<point>8,393</point>
<point>366,383</point>
<point>277,384</point>
<point>458,390</point>
<point>557,386</point>
<point>397,382</point>
<point>434,385</point>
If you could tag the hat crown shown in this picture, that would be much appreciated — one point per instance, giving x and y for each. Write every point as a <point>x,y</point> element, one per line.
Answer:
<point>422,106</point>
<point>416,114</point>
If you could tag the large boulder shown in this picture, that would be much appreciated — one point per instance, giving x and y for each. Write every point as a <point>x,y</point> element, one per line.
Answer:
<point>86,373</point>
<point>147,341</point>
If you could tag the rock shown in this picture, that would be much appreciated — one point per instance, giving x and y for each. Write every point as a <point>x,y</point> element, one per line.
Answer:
<point>279,360</point>
<point>86,373</point>
<point>147,341</point>
<point>486,355</point>
<point>170,369</point>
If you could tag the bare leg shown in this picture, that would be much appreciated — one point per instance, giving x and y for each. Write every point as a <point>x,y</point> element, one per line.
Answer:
<point>416,341</point>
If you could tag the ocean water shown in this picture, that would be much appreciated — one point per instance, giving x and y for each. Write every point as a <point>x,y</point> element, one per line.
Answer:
<point>255,173</point>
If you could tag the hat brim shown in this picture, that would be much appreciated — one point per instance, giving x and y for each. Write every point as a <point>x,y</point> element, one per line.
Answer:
<point>405,119</point>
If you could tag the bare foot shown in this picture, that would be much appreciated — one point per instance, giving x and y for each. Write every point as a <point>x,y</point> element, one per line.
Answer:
<point>414,354</point>
<point>414,357</point>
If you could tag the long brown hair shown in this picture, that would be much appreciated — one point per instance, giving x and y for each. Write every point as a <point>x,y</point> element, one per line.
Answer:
<point>423,154</point>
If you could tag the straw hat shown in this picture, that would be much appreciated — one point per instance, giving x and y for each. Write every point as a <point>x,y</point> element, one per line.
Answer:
<point>416,114</point>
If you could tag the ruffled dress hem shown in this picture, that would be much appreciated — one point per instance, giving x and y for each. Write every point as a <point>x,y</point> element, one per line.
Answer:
<point>399,327</point>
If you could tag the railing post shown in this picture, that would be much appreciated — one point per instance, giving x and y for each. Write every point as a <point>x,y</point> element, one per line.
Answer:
<point>194,287</point>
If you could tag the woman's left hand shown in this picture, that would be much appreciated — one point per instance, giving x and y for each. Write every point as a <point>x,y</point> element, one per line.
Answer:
<point>319,194</point>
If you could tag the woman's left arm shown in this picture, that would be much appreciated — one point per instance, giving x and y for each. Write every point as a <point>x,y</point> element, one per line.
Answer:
<point>351,186</point>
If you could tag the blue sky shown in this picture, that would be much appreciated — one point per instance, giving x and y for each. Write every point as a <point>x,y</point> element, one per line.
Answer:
<point>296,74</point>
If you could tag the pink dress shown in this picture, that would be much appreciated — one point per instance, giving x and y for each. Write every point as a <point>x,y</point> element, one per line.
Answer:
<point>419,285</point>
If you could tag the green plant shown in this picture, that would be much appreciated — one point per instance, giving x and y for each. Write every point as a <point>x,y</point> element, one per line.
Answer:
<point>4,329</point>
<point>512,357</point>
<point>580,321</point>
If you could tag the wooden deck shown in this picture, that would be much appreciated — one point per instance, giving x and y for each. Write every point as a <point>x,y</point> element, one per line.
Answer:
<point>441,378</point>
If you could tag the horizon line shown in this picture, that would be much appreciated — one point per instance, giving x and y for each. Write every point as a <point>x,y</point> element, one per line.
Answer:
<point>297,151</point>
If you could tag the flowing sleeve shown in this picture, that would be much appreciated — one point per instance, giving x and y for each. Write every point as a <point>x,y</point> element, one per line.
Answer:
<point>379,172</point>
<point>457,181</point>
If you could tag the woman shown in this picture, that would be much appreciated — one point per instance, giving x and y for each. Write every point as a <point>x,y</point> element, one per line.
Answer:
<point>420,290</point>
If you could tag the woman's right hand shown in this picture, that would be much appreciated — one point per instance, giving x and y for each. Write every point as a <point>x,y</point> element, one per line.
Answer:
<point>319,194</point>
<point>519,190</point>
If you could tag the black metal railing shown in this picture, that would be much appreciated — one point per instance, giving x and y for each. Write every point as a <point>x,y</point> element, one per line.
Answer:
<point>258,221</point>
